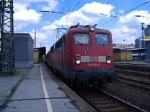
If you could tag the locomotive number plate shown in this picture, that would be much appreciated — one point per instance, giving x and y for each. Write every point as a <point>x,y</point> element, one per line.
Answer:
<point>93,64</point>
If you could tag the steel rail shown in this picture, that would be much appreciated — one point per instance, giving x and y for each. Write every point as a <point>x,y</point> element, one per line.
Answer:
<point>139,109</point>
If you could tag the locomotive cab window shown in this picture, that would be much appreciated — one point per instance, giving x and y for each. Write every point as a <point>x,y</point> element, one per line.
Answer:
<point>102,39</point>
<point>81,39</point>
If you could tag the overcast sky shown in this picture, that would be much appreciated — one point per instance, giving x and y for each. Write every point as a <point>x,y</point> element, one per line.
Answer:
<point>118,16</point>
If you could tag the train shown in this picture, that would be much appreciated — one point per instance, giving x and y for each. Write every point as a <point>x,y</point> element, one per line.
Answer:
<point>83,55</point>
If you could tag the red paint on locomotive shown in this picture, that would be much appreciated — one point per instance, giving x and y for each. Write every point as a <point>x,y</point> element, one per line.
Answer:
<point>84,53</point>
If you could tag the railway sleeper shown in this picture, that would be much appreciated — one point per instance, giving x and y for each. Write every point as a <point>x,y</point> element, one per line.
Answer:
<point>143,81</point>
<point>134,73</point>
<point>103,102</point>
<point>135,84</point>
<point>118,109</point>
<point>93,99</point>
<point>110,105</point>
<point>133,67</point>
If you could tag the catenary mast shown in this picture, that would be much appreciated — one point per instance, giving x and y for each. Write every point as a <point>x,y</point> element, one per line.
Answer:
<point>7,63</point>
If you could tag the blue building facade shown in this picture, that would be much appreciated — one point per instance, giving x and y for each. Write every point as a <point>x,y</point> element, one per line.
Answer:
<point>147,44</point>
<point>139,43</point>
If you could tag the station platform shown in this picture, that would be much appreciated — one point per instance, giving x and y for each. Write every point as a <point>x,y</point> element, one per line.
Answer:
<point>36,90</point>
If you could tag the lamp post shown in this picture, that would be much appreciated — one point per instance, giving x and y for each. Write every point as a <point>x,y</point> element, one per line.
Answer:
<point>143,17</point>
<point>142,28</point>
<point>124,50</point>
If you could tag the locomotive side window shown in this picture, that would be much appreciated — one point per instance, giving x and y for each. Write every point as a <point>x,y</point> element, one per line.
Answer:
<point>52,48</point>
<point>102,39</point>
<point>81,38</point>
<point>58,45</point>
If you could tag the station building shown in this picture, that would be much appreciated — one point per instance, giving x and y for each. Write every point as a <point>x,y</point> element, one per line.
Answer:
<point>121,54</point>
<point>23,50</point>
<point>23,47</point>
<point>141,42</point>
<point>140,52</point>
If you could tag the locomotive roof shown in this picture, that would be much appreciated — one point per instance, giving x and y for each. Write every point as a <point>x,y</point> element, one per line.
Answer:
<point>78,26</point>
<point>95,29</point>
<point>88,28</point>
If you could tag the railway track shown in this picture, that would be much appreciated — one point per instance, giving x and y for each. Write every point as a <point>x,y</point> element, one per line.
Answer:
<point>139,81</point>
<point>105,102</point>
<point>134,75</point>
<point>133,66</point>
<point>133,84</point>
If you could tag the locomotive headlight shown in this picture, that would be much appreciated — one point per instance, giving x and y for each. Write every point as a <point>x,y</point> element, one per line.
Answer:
<point>78,61</point>
<point>108,61</point>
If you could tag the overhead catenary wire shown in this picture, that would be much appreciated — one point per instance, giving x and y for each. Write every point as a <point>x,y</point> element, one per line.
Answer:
<point>108,21</point>
<point>126,12</point>
<point>64,6</point>
<point>69,5</point>
<point>136,7</point>
<point>76,5</point>
<point>72,9</point>
<point>108,1</point>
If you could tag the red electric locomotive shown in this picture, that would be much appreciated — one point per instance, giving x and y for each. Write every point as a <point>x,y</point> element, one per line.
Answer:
<point>84,54</point>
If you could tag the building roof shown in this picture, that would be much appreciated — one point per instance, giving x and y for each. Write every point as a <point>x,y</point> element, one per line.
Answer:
<point>131,49</point>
